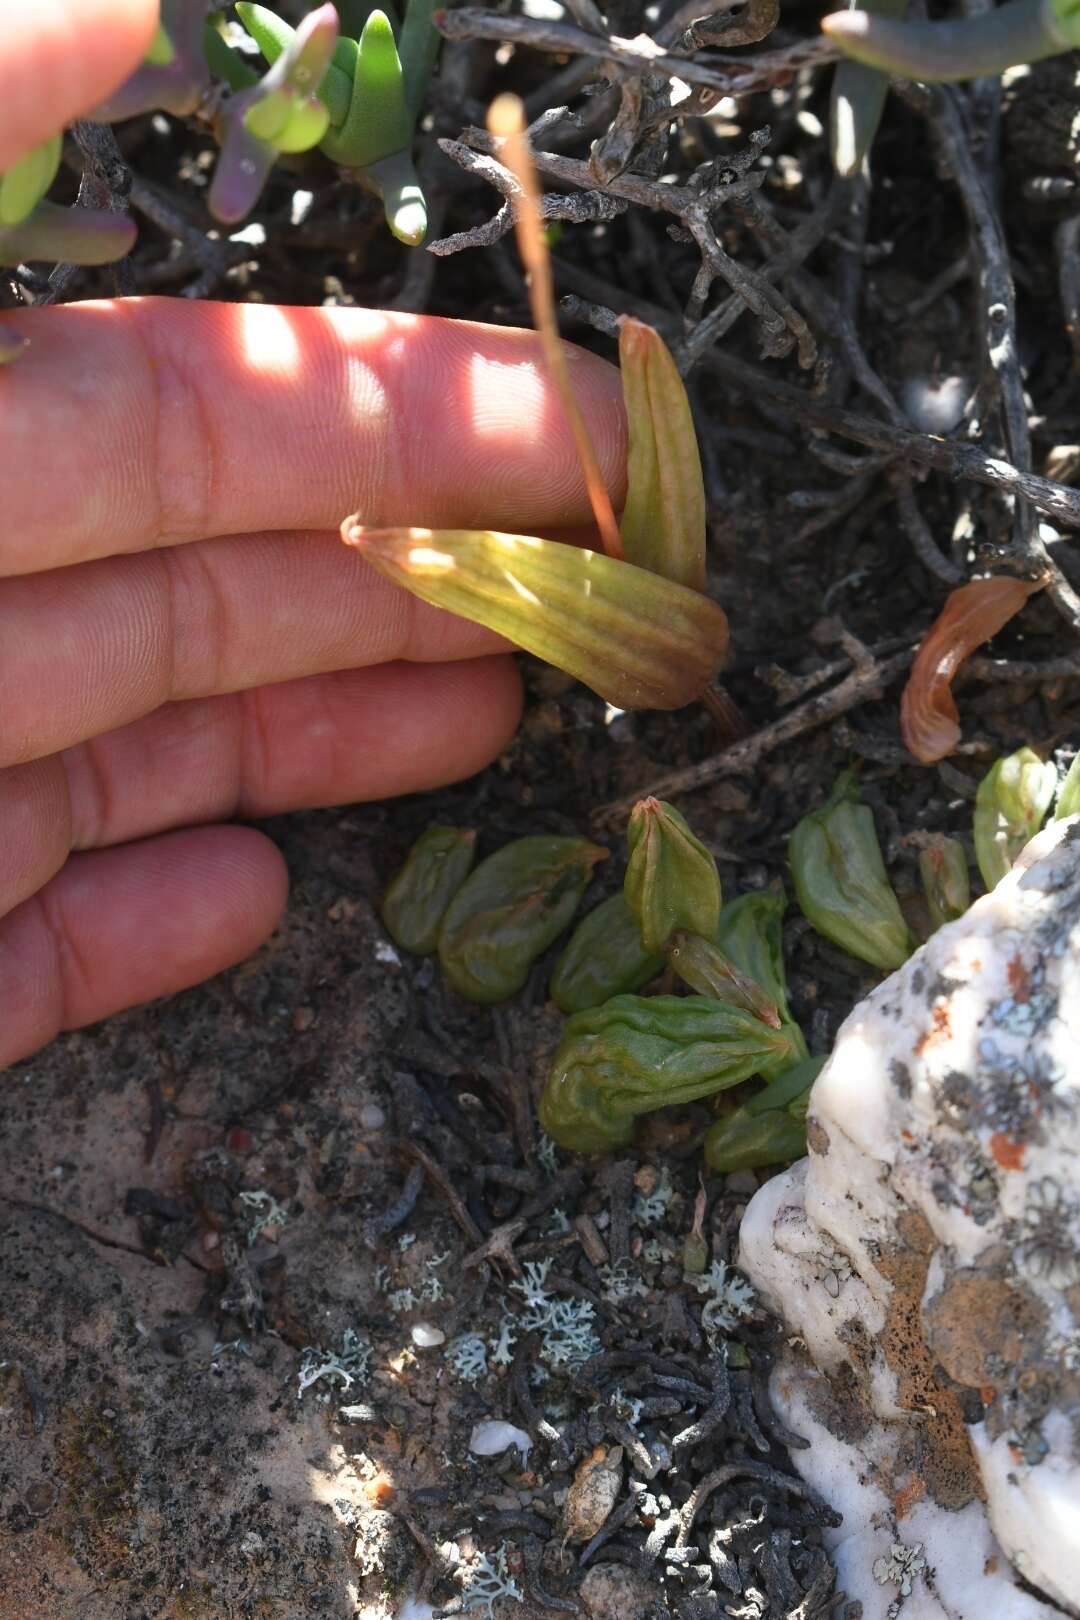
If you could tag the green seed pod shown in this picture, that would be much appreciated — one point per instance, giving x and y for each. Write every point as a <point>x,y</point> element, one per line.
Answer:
<point>604,957</point>
<point>841,883</point>
<point>273,35</point>
<point>416,901</point>
<point>639,1053</point>
<point>751,936</point>
<point>663,522</point>
<point>1010,807</point>
<point>1068,799</point>
<point>944,872</point>
<point>770,1128</point>
<point>640,641</point>
<point>704,967</point>
<point>510,910</point>
<point>24,185</point>
<point>671,879</point>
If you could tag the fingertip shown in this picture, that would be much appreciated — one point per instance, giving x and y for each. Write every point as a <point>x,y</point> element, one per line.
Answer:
<point>122,926</point>
<point>60,58</point>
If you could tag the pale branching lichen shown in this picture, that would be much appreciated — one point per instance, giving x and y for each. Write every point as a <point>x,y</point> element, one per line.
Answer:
<point>731,1298</point>
<point>502,1348</point>
<point>349,1366</point>
<point>467,1358</point>
<point>565,1325</point>
<point>483,1580</point>
<point>531,1286</point>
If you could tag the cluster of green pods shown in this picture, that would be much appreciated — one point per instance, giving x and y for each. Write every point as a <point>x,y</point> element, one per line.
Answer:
<point>622,1054</point>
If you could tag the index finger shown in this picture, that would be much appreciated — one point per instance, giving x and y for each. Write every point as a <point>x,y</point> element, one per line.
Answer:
<point>155,421</point>
<point>59,58</point>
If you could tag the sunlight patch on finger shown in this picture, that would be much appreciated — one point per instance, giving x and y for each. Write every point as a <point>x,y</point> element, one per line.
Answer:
<point>193,437</point>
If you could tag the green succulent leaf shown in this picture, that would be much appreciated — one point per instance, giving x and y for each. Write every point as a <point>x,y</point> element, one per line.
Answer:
<point>24,185</point>
<point>841,883</point>
<point>663,522</point>
<point>751,935</point>
<point>161,50</point>
<point>604,957</point>
<point>636,1054</point>
<point>671,879</point>
<point>858,100</point>
<point>959,47</point>
<point>416,901</point>
<point>512,907</point>
<point>74,235</point>
<point>377,123</point>
<point>770,1128</point>
<point>640,641</point>
<point>1010,806</point>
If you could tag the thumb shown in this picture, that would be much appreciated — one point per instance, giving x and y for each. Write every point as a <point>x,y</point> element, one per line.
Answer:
<point>59,58</point>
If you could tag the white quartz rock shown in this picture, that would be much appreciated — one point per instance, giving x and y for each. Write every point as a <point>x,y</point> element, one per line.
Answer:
<point>926,1257</point>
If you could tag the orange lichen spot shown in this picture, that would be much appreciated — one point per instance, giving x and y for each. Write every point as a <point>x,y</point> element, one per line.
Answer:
<point>908,1494</point>
<point>1007,1153</point>
<point>988,1394</point>
<point>940,1030</point>
<point>1019,980</point>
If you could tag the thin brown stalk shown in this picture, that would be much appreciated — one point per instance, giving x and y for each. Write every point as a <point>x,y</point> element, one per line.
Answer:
<point>506,119</point>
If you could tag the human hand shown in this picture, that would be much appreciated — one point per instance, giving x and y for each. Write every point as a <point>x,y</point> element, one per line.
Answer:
<point>183,637</point>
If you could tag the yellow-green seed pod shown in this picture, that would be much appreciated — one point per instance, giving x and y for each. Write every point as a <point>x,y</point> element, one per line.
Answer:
<point>944,872</point>
<point>287,122</point>
<point>416,901</point>
<point>24,185</point>
<point>671,879</point>
<point>604,957</point>
<point>640,641</point>
<point>704,967</point>
<point>510,910</point>
<point>751,936</point>
<point>841,883</point>
<point>663,522</point>
<point>1010,807</point>
<point>639,1053</point>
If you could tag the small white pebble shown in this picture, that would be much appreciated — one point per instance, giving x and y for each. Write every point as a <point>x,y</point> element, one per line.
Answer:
<point>936,406</point>
<point>494,1436</point>
<point>372,1117</point>
<point>385,952</point>
<point>426,1337</point>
